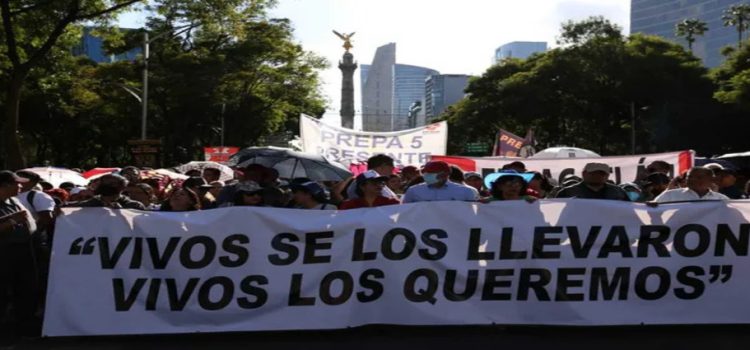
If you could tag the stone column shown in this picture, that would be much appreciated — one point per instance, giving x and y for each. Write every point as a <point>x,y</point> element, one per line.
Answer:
<point>347,66</point>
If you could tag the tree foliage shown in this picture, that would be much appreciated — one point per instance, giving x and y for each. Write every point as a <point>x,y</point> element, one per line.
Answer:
<point>582,95</point>
<point>689,29</point>
<point>209,54</point>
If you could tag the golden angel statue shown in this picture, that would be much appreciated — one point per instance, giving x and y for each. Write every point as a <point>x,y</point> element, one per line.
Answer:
<point>346,38</point>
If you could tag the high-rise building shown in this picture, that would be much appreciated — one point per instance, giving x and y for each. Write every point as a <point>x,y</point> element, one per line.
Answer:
<point>91,46</point>
<point>377,89</point>
<point>389,90</point>
<point>441,91</point>
<point>659,17</point>
<point>408,88</point>
<point>519,49</point>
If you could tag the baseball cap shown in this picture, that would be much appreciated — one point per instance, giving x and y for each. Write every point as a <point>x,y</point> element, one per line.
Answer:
<point>470,174</point>
<point>371,175</point>
<point>593,167</point>
<point>7,177</point>
<point>310,187</point>
<point>248,187</point>
<point>436,167</point>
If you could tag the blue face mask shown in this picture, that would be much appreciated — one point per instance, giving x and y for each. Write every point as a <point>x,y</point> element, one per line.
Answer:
<point>430,178</point>
<point>634,196</point>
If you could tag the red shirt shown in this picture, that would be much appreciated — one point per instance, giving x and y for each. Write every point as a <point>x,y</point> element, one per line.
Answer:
<point>362,203</point>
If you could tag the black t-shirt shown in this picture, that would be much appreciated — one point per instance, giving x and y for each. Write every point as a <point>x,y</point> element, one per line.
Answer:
<point>580,190</point>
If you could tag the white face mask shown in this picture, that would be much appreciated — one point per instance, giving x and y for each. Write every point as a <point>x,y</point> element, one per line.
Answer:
<point>430,178</point>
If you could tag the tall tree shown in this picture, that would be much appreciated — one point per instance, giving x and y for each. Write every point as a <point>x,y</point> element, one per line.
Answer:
<point>738,16</point>
<point>581,95</point>
<point>689,29</point>
<point>31,28</point>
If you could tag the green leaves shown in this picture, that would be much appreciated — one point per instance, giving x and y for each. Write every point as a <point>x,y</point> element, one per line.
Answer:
<point>581,94</point>
<point>689,29</point>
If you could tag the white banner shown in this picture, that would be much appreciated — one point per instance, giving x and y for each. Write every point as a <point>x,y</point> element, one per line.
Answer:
<point>407,147</point>
<point>624,168</point>
<point>441,263</point>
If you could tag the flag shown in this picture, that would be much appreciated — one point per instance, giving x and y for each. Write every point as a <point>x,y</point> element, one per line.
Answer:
<point>507,144</point>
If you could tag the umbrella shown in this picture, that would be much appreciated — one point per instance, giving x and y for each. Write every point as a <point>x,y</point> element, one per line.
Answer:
<point>291,164</point>
<point>56,176</point>
<point>565,152</point>
<point>161,173</point>
<point>226,172</point>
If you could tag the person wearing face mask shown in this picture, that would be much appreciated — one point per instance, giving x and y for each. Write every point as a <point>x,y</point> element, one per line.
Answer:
<point>108,194</point>
<point>436,186</point>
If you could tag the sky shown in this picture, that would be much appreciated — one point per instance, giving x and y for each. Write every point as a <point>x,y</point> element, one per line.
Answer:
<point>451,36</point>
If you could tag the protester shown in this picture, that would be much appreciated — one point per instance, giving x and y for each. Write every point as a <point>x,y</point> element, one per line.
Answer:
<point>438,188</point>
<point>143,193</point>
<point>216,188</point>
<point>594,185</point>
<point>108,194</point>
<point>699,181</point>
<point>509,185</point>
<point>654,184</point>
<point>79,194</point>
<point>248,193</point>
<point>39,204</point>
<point>211,175</point>
<point>539,185</point>
<point>475,180</point>
<point>274,197</point>
<point>395,184</point>
<point>181,199</point>
<point>19,287</point>
<point>456,175</point>
<point>516,166</point>
<point>254,173</point>
<point>659,166</point>
<point>311,195</point>
<point>194,183</point>
<point>409,173</point>
<point>46,186</point>
<point>193,173</point>
<point>59,195</point>
<point>726,181</point>
<point>132,174</point>
<point>369,188</point>
<point>67,186</point>
<point>634,192</point>
<point>384,166</point>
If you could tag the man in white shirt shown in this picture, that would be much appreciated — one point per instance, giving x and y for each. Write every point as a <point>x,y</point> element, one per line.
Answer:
<point>39,204</point>
<point>699,181</point>
<point>436,186</point>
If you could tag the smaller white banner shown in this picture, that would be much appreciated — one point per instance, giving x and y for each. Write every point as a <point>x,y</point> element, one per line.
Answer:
<point>407,147</point>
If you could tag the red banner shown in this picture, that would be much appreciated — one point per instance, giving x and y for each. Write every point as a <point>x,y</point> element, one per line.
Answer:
<point>219,154</point>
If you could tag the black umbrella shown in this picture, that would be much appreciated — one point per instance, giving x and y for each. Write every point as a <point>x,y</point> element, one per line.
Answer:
<point>291,164</point>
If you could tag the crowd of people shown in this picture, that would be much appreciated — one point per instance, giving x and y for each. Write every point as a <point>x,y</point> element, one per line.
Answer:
<point>28,205</point>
